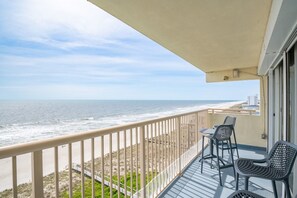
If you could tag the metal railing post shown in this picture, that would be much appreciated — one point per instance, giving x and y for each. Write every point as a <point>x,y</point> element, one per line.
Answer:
<point>178,144</point>
<point>197,131</point>
<point>142,162</point>
<point>14,177</point>
<point>37,175</point>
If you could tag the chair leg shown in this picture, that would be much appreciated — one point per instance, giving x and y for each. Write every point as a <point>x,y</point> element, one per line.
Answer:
<point>222,149</point>
<point>218,162</point>
<point>246,183</point>
<point>288,192</point>
<point>274,189</point>
<point>232,159</point>
<point>202,158</point>
<point>237,178</point>
<point>235,143</point>
<point>211,142</point>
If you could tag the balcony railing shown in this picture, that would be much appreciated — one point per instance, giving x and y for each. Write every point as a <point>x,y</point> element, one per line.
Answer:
<point>138,159</point>
<point>232,111</point>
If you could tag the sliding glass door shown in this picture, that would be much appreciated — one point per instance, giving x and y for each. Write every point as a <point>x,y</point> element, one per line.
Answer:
<point>275,104</point>
<point>282,110</point>
<point>291,108</point>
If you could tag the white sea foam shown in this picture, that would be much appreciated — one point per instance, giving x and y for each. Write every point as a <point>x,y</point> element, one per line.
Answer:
<point>24,132</point>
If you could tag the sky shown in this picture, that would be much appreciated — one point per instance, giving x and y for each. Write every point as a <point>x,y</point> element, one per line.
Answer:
<point>71,49</point>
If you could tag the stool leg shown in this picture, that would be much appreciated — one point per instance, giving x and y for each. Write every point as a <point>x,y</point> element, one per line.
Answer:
<point>246,183</point>
<point>274,189</point>
<point>237,178</point>
<point>202,158</point>
<point>232,159</point>
<point>222,150</point>
<point>218,162</point>
<point>235,143</point>
<point>288,193</point>
<point>211,142</point>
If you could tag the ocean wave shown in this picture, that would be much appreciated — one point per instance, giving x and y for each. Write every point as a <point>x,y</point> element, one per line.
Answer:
<point>24,132</point>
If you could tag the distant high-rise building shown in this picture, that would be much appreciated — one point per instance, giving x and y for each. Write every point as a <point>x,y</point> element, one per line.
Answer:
<point>253,100</point>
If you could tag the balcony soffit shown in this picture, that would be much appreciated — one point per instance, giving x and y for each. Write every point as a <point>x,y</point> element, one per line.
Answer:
<point>212,35</point>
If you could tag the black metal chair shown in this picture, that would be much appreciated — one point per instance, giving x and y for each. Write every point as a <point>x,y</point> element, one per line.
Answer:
<point>244,194</point>
<point>277,166</point>
<point>222,133</point>
<point>229,120</point>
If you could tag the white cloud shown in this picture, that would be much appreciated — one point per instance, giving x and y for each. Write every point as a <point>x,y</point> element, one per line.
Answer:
<point>64,60</point>
<point>64,23</point>
<point>122,64</point>
<point>80,67</point>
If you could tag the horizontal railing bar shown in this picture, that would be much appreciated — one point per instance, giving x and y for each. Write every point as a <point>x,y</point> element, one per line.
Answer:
<point>248,110</point>
<point>23,148</point>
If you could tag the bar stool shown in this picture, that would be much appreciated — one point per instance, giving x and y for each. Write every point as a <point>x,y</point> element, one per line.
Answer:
<point>221,133</point>
<point>229,120</point>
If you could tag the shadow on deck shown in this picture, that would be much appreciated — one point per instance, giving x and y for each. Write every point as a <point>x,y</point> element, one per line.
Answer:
<point>194,184</point>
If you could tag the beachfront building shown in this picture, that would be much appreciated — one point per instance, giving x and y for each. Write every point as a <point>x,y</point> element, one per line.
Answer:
<point>228,40</point>
<point>252,100</point>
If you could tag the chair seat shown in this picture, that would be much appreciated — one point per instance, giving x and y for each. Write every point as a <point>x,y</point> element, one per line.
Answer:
<point>249,168</point>
<point>276,166</point>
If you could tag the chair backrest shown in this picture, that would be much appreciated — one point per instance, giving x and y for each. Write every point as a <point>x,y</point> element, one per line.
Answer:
<point>223,132</point>
<point>230,120</point>
<point>282,157</point>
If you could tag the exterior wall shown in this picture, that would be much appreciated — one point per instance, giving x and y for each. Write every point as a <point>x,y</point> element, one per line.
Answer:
<point>248,128</point>
<point>280,32</point>
<point>276,62</point>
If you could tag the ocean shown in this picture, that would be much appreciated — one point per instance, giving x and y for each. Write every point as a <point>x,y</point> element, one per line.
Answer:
<point>24,121</point>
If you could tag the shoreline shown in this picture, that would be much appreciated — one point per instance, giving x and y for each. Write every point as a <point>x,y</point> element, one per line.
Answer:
<point>14,133</point>
<point>24,161</point>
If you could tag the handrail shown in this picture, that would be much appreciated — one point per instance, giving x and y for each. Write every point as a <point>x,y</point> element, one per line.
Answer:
<point>221,109</point>
<point>19,149</point>
<point>240,111</point>
<point>139,140</point>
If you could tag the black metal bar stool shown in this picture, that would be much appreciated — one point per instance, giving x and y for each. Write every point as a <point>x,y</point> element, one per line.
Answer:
<point>221,133</point>
<point>229,120</point>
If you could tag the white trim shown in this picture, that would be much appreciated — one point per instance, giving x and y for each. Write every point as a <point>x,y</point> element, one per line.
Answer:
<point>294,187</point>
<point>273,16</point>
<point>277,107</point>
<point>288,42</point>
<point>284,113</point>
<point>281,32</point>
<point>276,65</point>
<point>270,110</point>
<point>293,42</point>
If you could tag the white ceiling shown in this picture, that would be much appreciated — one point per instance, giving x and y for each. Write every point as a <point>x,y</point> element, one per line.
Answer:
<point>213,35</point>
